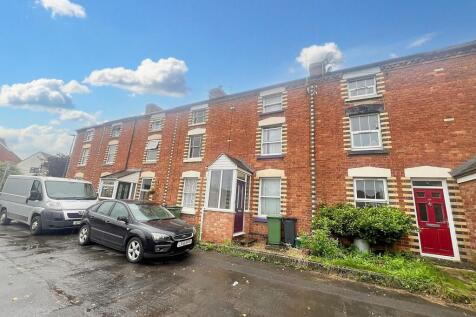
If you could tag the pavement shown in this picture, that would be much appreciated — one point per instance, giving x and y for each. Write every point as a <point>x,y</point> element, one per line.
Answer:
<point>51,275</point>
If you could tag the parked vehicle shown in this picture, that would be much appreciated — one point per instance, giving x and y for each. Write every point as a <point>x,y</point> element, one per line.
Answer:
<point>45,203</point>
<point>140,229</point>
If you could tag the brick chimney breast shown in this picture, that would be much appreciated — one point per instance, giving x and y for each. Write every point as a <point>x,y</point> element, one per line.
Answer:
<point>216,92</point>
<point>151,108</point>
<point>317,69</point>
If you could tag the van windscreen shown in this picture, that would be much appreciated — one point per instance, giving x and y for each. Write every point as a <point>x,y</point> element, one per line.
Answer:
<point>69,190</point>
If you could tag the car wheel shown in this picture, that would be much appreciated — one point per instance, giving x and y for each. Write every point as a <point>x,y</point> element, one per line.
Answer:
<point>3,217</point>
<point>134,250</point>
<point>35,227</point>
<point>83,236</point>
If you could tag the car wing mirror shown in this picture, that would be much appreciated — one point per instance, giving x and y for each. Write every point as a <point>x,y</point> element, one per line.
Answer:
<point>35,196</point>
<point>123,219</point>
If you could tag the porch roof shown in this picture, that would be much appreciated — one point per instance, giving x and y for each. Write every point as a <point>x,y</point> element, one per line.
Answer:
<point>464,169</point>
<point>238,163</point>
<point>120,174</point>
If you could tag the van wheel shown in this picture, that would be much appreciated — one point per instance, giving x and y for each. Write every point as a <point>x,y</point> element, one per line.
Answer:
<point>35,227</point>
<point>3,217</point>
<point>134,250</point>
<point>84,235</point>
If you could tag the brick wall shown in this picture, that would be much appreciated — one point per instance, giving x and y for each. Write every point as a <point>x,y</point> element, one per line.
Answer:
<point>468,192</point>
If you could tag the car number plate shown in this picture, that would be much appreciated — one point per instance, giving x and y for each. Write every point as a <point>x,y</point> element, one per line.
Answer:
<point>76,223</point>
<point>184,243</point>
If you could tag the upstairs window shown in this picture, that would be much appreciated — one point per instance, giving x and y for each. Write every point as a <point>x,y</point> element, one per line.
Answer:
<point>83,157</point>
<point>116,130</point>
<point>370,192</point>
<point>270,197</point>
<point>111,154</point>
<point>272,103</point>
<point>88,136</point>
<point>195,146</point>
<point>365,131</point>
<point>362,87</point>
<point>151,150</point>
<point>219,192</point>
<point>156,123</point>
<point>199,116</point>
<point>271,141</point>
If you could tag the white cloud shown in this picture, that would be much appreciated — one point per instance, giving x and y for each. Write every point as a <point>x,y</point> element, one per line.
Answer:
<point>63,8</point>
<point>42,92</point>
<point>319,53</point>
<point>393,55</point>
<point>421,40</point>
<point>34,138</point>
<point>164,77</point>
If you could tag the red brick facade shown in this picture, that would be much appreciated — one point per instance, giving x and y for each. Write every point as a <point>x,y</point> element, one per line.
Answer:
<point>426,105</point>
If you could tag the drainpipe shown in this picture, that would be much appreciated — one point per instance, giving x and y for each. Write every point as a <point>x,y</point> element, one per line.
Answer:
<point>130,144</point>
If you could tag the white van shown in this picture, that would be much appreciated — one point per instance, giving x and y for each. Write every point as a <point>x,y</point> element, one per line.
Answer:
<point>45,203</point>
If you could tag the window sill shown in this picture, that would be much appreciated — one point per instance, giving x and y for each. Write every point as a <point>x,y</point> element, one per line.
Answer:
<point>272,112</point>
<point>367,152</point>
<point>219,210</point>
<point>108,164</point>
<point>363,98</point>
<point>153,131</point>
<point>150,162</point>
<point>260,219</point>
<point>197,124</point>
<point>188,211</point>
<point>192,160</point>
<point>274,156</point>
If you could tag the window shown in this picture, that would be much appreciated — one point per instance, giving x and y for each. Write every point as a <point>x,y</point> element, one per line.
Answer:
<point>269,197</point>
<point>247,179</point>
<point>116,130</point>
<point>156,123</point>
<point>361,87</point>
<point>36,187</point>
<point>145,188</point>
<point>119,210</point>
<point>111,153</point>
<point>271,141</point>
<point>365,131</point>
<point>83,158</point>
<point>107,189</point>
<point>199,116</point>
<point>105,208</point>
<point>189,192</point>
<point>195,146</point>
<point>151,150</point>
<point>219,192</point>
<point>88,136</point>
<point>34,170</point>
<point>272,103</point>
<point>370,192</point>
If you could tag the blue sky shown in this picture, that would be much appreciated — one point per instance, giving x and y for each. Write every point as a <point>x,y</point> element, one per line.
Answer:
<point>67,63</point>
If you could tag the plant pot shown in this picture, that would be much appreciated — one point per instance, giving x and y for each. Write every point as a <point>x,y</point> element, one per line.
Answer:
<point>362,245</point>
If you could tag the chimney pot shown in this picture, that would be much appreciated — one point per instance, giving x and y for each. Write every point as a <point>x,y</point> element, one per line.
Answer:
<point>317,69</point>
<point>217,92</point>
<point>151,108</point>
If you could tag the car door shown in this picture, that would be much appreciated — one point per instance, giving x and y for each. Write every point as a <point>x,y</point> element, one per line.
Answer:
<point>97,221</point>
<point>34,204</point>
<point>116,229</point>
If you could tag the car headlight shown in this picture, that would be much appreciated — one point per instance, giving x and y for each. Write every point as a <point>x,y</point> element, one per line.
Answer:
<point>54,205</point>
<point>159,236</point>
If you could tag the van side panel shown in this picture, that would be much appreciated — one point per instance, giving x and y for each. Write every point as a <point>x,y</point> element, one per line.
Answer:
<point>14,198</point>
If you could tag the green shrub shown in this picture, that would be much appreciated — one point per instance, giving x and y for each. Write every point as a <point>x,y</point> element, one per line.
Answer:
<point>320,243</point>
<point>377,225</point>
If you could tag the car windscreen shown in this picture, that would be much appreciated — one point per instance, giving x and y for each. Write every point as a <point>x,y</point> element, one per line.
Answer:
<point>69,190</point>
<point>148,212</point>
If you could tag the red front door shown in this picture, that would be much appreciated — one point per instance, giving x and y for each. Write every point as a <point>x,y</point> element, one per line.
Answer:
<point>435,236</point>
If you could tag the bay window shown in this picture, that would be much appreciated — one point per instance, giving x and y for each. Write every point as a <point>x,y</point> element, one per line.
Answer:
<point>220,187</point>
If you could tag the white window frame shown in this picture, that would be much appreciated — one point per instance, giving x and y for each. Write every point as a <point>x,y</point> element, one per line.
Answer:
<point>366,200</point>
<point>233,190</point>
<point>267,105</point>
<point>378,130</point>
<point>350,80</point>
<point>274,197</point>
<point>194,112</point>
<point>189,209</point>
<point>115,126</point>
<point>274,142</point>
<point>156,124</point>
<point>114,188</point>
<point>111,158</point>
<point>142,190</point>
<point>189,154</point>
<point>83,157</point>
<point>89,135</point>
<point>148,149</point>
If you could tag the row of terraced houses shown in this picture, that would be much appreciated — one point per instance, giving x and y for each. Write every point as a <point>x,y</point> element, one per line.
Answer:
<point>400,132</point>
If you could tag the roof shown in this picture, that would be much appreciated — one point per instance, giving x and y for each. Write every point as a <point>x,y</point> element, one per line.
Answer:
<point>240,164</point>
<point>405,60</point>
<point>466,168</point>
<point>120,174</point>
<point>46,155</point>
<point>7,155</point>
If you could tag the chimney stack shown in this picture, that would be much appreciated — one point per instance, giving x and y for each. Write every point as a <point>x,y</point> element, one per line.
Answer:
<point>217,92</point>
<point>317,69</point>
<point>151,108</point>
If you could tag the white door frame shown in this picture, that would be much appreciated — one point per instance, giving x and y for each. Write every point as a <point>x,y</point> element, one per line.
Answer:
<point>449,213</point>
